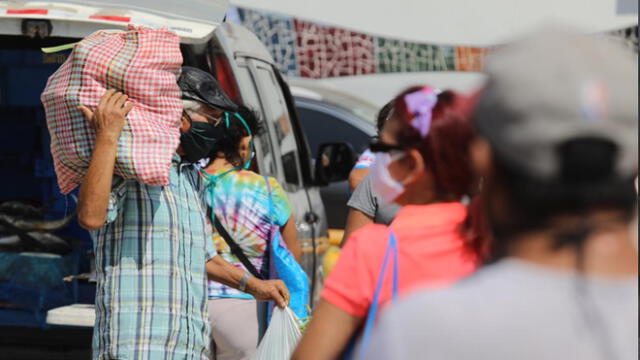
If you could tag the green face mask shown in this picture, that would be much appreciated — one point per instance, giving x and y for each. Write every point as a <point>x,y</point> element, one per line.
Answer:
<point>247,164</point>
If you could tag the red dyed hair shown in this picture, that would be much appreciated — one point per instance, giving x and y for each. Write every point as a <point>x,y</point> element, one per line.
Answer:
<point>445,150</point>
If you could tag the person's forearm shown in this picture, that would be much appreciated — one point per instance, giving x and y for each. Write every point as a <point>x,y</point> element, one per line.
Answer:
<point>262,290</point>
<point>327,334</point>
<point>355,220</point>
<point>108,120</point>
<point>96,185</point>
<point>221,271</point>
<point>290,236</point>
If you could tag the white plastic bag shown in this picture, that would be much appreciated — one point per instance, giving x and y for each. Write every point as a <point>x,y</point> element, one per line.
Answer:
<point>281,336</point>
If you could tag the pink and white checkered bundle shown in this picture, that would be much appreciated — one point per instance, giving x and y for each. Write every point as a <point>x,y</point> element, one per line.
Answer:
<point>142,63</point>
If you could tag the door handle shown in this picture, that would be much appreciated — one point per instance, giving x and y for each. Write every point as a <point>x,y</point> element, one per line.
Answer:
<point>311,217</point>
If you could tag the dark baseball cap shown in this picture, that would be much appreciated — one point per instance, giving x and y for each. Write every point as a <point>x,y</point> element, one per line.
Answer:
<point>556,86</point>
<point>199,85</point>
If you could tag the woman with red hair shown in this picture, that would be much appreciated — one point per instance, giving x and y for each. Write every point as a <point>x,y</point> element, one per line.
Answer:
<point>426,169</point>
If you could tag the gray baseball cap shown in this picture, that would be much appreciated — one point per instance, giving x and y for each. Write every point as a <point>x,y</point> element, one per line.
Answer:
<point>556,86</point>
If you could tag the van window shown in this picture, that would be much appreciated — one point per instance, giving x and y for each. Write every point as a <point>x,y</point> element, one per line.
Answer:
<point>327,127</point>
<point>225,77</point>
<point>278,114</point>
<point>263,145</point>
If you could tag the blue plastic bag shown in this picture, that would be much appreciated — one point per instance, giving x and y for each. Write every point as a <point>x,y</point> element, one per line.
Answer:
<point>284,266</point>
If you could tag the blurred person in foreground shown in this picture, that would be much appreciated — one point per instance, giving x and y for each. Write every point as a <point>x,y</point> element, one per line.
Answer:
<point>249,209</point>
<point>557,147</point>
<point>425,166</point>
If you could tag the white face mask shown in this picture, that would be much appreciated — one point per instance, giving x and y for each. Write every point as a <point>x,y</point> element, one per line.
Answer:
<point>381,180</point>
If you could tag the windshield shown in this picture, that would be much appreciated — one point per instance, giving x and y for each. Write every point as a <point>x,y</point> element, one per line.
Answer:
<point>359,107</point>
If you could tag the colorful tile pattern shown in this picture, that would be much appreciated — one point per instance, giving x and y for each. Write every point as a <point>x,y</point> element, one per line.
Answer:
<point>405,56</point>
<point>313,50</point>
<point>277,34</point>
<point>325,51</point>
<point>469,58</point>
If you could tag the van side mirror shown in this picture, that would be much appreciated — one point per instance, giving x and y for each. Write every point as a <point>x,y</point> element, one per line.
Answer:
<point>334,163</point>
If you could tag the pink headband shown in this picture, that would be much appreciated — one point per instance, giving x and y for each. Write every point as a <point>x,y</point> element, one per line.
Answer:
<point>420,104</point>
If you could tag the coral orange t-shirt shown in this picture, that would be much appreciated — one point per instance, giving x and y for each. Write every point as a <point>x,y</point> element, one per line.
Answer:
<point>431,249</point>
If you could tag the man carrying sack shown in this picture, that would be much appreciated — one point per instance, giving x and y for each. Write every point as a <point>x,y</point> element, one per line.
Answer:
<point>152,241</point>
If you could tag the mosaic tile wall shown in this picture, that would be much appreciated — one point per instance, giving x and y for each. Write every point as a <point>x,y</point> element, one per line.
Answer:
<point>313,50</point>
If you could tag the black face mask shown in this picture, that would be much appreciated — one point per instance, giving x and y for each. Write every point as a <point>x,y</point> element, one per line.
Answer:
<point>199,140</point>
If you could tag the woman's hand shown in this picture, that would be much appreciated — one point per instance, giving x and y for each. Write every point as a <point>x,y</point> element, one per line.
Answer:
<point>263,290</point>
<point>109,117</point>
<point>268,290</point>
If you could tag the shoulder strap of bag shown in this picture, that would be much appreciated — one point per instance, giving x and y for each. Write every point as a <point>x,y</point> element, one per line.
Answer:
<point>235,249</point>
<point>233,246</point>
<point>392,250</point>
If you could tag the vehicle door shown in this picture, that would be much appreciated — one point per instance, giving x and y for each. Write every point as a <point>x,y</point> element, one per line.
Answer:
<point>323,123</point>
<point>278,151</point>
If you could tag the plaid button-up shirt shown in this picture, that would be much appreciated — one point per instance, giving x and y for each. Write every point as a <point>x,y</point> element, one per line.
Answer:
<point>151,300</point>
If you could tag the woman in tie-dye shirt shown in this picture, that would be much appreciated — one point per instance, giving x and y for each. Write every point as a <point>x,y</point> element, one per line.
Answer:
<point>239,199</point>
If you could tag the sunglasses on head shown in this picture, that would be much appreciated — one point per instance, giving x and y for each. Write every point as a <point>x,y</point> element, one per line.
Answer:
<point>211,118</point>
<point>379,146</point>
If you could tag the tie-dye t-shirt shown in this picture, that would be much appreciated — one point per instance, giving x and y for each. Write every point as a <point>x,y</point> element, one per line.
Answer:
<point>240,200</point>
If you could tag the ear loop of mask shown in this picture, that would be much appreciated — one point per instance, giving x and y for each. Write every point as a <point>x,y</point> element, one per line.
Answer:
<point>226,119</point>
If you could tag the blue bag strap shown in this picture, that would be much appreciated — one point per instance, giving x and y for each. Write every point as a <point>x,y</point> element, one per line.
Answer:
<point>392,250</point>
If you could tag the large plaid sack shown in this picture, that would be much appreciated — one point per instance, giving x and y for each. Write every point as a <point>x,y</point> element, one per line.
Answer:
<point>142,63</point>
